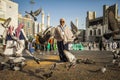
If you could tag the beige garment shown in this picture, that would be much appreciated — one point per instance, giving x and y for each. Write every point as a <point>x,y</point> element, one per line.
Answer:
<point>66,35</point>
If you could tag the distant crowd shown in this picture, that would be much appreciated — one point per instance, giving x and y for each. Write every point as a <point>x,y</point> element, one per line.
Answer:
<point>104,45</point>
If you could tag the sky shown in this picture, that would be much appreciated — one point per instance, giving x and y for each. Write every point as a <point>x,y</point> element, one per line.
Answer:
<point>68,9</point>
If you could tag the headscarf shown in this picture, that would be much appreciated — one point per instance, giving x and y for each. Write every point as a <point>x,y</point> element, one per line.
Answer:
<point>10,30</point>
<point>20,26</point>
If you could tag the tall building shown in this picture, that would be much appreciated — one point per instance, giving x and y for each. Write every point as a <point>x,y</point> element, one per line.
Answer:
<point>48,20</point>
<point>31,27</point>
<point>28,24</point>
<point>8,9</point>
<point>42,21</point>
<point>97,26</point>
<point>36,28</point>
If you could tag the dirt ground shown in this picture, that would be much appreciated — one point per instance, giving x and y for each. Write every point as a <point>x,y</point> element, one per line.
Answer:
<point>82,71</point>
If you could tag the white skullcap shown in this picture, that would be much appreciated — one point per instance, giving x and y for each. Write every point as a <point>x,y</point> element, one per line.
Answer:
<point>62,19</point>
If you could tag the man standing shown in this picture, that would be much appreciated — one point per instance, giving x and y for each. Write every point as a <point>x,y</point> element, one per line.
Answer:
<point>21,36</point>
<point>9,41</point>
<point>63,35</point>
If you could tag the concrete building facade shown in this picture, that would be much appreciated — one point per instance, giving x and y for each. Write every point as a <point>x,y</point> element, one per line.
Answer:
<point>97,26</point>
<point>31,27</point>
<point>8,9</point>
<point>28,24</point>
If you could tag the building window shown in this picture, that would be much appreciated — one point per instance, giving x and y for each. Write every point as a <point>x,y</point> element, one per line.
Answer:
<point>9,6</point>
<point>94,32</point>
<point>28,24</point>
<point>99,32</point>
<point>90,32</point>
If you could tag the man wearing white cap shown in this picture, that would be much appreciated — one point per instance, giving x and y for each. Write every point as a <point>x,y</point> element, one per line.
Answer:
<point>63,35</point>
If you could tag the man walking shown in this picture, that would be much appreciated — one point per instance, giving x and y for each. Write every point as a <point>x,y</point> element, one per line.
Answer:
<point>63,35</point>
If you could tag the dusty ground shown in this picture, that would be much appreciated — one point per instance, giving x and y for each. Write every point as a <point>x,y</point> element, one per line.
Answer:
<point>82,71</point>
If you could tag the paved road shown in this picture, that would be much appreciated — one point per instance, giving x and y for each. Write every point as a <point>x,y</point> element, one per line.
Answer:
<point>81,72</point>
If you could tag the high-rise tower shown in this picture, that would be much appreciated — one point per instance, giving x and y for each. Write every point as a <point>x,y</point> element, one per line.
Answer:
<point>76,22</point>
<point>48,20</point>
<point>42,21</point>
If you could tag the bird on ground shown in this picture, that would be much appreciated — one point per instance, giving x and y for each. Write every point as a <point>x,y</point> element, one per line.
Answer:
<point>53,66</point>
<point>39,70</point>
<point>36,60</point>
<point>88,61</point>
<point>103,69</point>
<point>48,75</point>
<point>116,54</point>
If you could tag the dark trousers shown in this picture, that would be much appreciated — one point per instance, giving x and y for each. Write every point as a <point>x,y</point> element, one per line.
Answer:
<point>62,47</point>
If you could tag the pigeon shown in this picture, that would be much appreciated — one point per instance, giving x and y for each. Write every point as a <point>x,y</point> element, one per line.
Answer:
<point>78,61</point>
<point>116,62</point>
<point>46,35</point>
<point>36,60</point>
<point>71,65</point>
<point>116,54</point>
<point>112,25</point>
<point>22,65</point>
<point>113,61</point>
<point>75,31</point>
<point>6,23</point>
<point>101,70</point>
<point>53,66</point>
<point>48,75</point>
<point>112,22</point>
<point>74,28</point>
<point>71,58</point>
<point>39,70</point>
<point>88,61</point>
<point>34,14</point>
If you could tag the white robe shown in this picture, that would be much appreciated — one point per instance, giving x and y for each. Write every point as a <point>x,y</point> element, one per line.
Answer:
<point>21,44</point>
<point>9,50</point>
